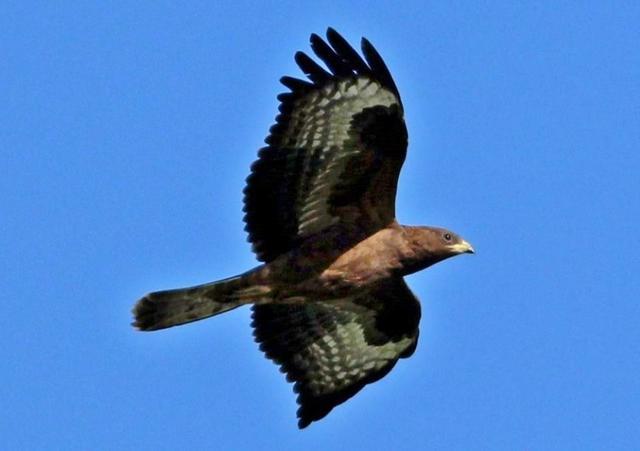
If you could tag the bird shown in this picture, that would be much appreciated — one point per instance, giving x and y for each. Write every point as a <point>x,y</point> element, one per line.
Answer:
<point>329,301</point>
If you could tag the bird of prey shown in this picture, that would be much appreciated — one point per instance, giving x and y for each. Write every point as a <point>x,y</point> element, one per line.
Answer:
<point>330,305</point>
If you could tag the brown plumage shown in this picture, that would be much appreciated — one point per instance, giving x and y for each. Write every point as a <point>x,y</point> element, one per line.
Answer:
<point>330,304</point>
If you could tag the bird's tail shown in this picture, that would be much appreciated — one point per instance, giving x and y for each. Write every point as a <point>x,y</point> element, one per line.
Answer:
<point>163,309</point>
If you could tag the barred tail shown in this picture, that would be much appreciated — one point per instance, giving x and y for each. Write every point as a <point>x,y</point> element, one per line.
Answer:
<point>163,309</point>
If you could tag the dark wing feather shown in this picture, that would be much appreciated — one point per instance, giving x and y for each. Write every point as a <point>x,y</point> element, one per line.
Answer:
<point>379,67</point>
<point>334,154</point>
<point>348,54</point>
<point>334,62</point>
<point>332,349</point>
<point>296,85</point>
<point>315,73</point>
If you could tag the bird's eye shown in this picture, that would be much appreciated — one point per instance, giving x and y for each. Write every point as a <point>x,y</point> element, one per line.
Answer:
<point>447,236</point>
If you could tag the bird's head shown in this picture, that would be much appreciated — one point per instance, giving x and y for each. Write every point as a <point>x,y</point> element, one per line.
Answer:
<point>431,245</point>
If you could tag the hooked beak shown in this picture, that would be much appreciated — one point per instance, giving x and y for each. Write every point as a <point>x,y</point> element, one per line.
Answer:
<point>463,247</point>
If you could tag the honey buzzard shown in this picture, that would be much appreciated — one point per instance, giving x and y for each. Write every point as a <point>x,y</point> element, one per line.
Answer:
<point>330,305</point>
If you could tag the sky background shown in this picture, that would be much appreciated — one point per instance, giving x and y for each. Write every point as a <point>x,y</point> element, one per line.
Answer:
<point>126,133</point>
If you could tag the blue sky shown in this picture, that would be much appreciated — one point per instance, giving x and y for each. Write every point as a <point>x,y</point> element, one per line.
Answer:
<point>126,133</point>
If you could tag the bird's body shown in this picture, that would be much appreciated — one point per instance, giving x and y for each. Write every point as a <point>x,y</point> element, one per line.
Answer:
<point>327,263</point>
<point>330,302</point>
<point>325,267</point>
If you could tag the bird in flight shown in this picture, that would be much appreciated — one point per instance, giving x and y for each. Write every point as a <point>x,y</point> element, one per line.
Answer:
<point>330,304</point>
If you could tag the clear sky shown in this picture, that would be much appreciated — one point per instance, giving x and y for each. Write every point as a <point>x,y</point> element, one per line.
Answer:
<point>126,132</point>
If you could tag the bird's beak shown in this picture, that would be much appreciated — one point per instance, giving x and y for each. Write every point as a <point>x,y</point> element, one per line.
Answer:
<point>463,247</point>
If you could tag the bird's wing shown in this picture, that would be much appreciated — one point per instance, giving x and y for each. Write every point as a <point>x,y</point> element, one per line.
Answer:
<point>334,154</point>
<point>332,349</point>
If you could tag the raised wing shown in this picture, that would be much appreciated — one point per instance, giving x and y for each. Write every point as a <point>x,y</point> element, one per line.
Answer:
<point>334,154</point>
<point>332,349</point>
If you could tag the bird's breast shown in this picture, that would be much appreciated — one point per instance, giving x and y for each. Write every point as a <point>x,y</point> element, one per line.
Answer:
<point>368,262</point>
